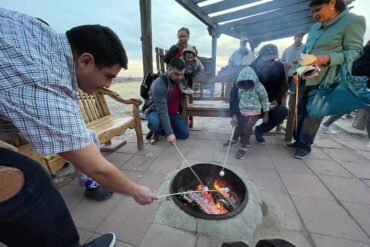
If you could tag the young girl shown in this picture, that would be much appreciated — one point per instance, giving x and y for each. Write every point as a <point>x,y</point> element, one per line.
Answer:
<point>253,100</point>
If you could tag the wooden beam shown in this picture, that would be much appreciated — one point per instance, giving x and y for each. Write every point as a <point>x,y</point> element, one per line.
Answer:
<point>225,5</point>
<point>146,35</point>
<point>292,11</point>
<point>278,25</point>
<point>277,4</point>
<point>281,33</point>
<point>196,11</point>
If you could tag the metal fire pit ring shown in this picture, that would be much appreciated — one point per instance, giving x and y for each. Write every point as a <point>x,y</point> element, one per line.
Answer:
<point>205,170</point>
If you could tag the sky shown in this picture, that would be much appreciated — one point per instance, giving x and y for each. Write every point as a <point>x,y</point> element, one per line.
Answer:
<point>123,17</point>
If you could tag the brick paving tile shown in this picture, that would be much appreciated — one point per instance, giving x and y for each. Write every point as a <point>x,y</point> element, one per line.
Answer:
<point>361,213</point>
<point>327,241</point>
<point>129,220</point>
<point>280,211</point>
<point>163,236</point>
<point>267,180</point>
<point>305,185</point>
<point>138,163</point>
<point>72,194</point>
<point>359,169</point>
<point>287,164</point>
<point>347,189</point>
<point>328,218</point>
<point>348,155</point>
<point>117,159</point>
<point>327,167</point>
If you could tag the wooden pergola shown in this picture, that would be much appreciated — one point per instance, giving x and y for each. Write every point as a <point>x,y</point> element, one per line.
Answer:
<point>259,20</point>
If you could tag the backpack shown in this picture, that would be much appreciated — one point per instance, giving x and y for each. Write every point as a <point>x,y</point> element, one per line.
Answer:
<point>146,84</point>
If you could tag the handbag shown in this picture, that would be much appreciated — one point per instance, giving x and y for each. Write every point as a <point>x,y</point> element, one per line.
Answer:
<point>348,94</point>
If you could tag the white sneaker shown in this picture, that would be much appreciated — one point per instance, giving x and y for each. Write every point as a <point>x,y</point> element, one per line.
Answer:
<point>327,130</point>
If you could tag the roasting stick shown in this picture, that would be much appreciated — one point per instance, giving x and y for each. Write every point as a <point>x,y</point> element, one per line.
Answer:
<point>222,173</point>
<point>195,191</point>
<point>178,150</point>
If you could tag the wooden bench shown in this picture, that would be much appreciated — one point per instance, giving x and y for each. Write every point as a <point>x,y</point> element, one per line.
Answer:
<point>199,104</point>
<point>98,118</point>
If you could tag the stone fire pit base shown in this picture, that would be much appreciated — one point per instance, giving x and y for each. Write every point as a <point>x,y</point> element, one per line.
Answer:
<point>238,228</point>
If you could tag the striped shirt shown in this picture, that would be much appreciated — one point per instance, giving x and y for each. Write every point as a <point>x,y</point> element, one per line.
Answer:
<point>38,85</point>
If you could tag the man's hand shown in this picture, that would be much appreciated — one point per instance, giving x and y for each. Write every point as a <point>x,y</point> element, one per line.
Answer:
<point>265,117</point>
<point>189,91</point>
<point>273,104</point>
<point>143,195</point>
<point>171,139</point>
<point>8,146</point>
<point>234,120</point>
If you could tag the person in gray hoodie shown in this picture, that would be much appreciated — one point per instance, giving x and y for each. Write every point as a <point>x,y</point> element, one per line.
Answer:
<point>253,100</point>
<point>164,108</point>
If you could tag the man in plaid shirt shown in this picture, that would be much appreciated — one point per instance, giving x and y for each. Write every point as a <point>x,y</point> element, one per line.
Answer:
<point>40,73</point>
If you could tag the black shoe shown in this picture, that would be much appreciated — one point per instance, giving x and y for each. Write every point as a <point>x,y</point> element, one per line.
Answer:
<point>240,155</point>
<point>149,135</point>
<point>232,143</point>
<point>301,153</point>
<point>106,240</point>
<point>259,137</point>
<point>98,193</point>
<point>154,139</point>
<point>292,145</point>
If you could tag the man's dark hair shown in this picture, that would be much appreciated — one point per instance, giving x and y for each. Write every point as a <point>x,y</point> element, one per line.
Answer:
<point>177,63</point>
<point>99,41</point>
<point>339,4</point>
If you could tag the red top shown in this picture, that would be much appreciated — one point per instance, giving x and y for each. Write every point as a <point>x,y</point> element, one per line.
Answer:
<point>179,53</point>
<point>174,101</point>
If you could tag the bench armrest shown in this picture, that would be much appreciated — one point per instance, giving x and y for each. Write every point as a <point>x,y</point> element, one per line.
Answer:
<point>117,97</point>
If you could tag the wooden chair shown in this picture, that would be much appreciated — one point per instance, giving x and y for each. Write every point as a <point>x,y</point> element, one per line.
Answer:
<point>98,118</point>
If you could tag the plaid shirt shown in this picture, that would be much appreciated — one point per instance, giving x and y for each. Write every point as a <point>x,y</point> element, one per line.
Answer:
<point>38,85</point>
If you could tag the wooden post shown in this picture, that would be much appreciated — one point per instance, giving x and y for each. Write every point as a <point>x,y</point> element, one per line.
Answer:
<point>146,35</point>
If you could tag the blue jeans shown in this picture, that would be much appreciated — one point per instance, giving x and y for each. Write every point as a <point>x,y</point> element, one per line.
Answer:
<point>180,130</point>
<point>37,216</point>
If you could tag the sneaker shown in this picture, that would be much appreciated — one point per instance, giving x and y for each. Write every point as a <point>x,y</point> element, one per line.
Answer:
<point>259,137</point>
<point>154,139</point>
<point>240,155</point>
<point>301,153</point>
<point>106,240</point>
<point>149,135</point>
<point>142,116</point>
<point>232,143</point>
<point>349,115</point>
<point>292,145</point>
<point>327,130</point>
<point>98,194</point>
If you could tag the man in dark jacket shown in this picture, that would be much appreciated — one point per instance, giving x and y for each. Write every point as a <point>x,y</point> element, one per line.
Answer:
<point>273,77</point>
<point>165,102</point>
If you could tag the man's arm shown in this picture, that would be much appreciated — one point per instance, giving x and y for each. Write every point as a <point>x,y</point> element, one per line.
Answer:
<point>8,146</point>
<point>90,161</point>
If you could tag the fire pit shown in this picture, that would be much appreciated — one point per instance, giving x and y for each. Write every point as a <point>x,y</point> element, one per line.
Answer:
<point>215,204</point>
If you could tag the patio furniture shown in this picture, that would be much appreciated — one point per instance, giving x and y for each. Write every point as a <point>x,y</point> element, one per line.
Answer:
<point>97,117</point>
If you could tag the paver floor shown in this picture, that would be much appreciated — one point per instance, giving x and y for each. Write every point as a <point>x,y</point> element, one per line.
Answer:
<point>320,201</point>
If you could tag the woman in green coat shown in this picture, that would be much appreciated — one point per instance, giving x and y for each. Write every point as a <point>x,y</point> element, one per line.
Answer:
<point>336,40</point>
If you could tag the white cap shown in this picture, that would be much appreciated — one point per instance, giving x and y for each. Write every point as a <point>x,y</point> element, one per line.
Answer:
<point>243,39</point>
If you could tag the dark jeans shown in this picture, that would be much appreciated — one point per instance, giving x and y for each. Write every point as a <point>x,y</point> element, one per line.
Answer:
<point>246,125</point>
<point>307,126</point>
<point>180,130</point>
<point>37,216</point>
<point>276,116</point>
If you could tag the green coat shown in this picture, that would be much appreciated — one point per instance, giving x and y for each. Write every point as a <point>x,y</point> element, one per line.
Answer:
<point>341,38</point>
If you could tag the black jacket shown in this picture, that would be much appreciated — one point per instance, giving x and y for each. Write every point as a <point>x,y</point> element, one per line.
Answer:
<point>361,67</point>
